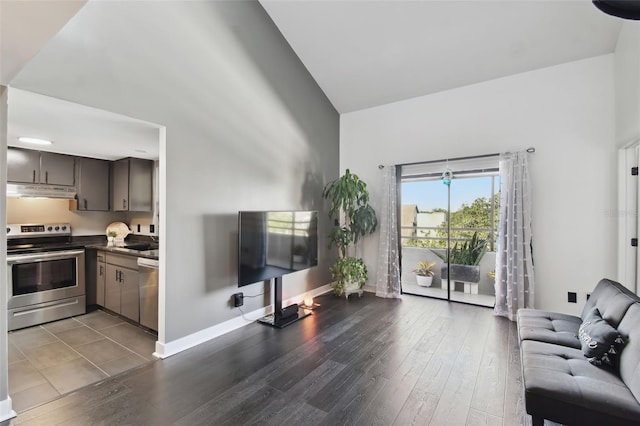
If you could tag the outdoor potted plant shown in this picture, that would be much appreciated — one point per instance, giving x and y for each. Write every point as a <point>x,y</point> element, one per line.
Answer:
<point>464,260</point>
<point>353,219</point>
<point>424,273</point>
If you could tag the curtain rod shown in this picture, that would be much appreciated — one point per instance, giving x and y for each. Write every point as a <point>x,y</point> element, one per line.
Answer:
<point>530,150</point>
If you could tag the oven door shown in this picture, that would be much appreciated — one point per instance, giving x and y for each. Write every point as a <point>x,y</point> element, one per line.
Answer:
<point>44,277</point>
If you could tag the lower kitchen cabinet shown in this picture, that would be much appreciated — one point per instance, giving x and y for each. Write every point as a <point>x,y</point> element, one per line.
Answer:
<point>101,274</point>
<point>121,290</point>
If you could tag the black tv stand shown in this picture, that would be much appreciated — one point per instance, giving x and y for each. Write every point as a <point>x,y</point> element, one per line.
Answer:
<point>282,317</point>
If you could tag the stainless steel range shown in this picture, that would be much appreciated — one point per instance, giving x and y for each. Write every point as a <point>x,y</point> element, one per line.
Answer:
<point>46,276</point>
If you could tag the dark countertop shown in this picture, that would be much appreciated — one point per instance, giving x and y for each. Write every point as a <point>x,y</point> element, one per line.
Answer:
<point>99,242</point>
<point>149,254</point>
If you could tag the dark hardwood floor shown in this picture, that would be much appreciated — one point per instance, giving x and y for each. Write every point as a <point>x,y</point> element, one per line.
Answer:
<point>368,361</point>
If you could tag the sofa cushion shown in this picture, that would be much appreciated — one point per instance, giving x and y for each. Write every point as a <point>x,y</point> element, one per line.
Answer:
<point>550,327</point>
<point>612,300</point>
<point>600,342</point>
<point>561,385</point>
<point>629,357</point>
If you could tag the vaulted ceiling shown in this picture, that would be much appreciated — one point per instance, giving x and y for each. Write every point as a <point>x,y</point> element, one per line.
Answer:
<point>368,53</point>
<point>362,53</point>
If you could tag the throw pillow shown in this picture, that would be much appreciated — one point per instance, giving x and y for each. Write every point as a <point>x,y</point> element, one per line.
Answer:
<point>600,341</point>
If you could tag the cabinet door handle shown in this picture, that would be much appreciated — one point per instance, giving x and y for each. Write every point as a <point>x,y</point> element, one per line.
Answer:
<point>34,176</point>
<point>124,203</point>
<point>46,177</point>
<point>101,270</point>
<point>85,204</point>
<point>117,275</point>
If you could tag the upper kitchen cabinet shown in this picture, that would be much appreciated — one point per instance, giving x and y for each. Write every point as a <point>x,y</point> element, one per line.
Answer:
<point>29,166</point>
<point>58,169</point>
<point>133,185</point>
<point>23,165</point>
<point>93,184</point>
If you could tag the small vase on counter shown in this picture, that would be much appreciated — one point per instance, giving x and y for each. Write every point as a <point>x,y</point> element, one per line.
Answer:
<point>111,236</point>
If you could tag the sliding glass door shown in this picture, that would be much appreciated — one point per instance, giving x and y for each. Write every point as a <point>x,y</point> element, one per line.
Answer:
<point>424,218</point>
<point>454,220</point>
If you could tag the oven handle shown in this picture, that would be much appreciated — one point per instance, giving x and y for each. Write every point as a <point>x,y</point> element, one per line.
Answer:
<point>40,257</point>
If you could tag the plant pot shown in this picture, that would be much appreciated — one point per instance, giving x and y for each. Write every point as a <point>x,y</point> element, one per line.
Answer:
<point>352,287</point>
<point>467,274</point>
<point>424,281</point>
<point>462,273</point>
<point>350,274</point>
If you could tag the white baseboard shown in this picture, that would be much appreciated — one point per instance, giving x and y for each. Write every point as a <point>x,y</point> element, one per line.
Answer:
<point>6,412</point>
<point>164,350</point>
<point>369,288</point>
<point>312,293</point>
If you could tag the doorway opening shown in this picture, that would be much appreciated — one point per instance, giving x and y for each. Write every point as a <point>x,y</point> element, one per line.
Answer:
<point>54,358</point>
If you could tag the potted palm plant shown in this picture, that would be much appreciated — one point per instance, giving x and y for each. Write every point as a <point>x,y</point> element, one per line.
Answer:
<point>353,219</point>
<point>464,260</point>
<point>424,273</point>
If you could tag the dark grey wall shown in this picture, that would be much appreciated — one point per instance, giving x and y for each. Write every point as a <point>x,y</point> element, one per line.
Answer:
<point>247,128</point>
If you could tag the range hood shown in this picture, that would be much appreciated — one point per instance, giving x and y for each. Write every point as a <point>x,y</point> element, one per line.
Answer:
<point>17,190</point>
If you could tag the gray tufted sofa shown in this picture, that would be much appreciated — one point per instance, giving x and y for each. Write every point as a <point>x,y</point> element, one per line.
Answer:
<point>560,384</point>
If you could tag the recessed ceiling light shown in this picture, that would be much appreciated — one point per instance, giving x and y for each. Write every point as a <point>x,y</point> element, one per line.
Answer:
<point>36,141</point>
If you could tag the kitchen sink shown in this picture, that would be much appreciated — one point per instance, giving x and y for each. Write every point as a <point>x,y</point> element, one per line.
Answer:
<point>142,246</point>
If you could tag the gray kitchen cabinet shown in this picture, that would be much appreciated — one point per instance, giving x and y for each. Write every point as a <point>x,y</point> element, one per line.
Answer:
<point>112,288</point>
<point>93,184</point>
<point>23,165</point>
<point>122,293</point>
<point>130,296</point>
<point>57,169</point>
<point>101,275</point>
<point>132,185</point>
<point>29,166</point>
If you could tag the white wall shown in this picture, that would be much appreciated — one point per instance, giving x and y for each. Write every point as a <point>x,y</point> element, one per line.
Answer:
<point>627,84</point>
<point>6,411</point>
<point>247,128</point>
<point>566,112</point>
<point>627,109</point>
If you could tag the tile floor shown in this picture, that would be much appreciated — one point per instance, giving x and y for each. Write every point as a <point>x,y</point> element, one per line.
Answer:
<point>52,359</point>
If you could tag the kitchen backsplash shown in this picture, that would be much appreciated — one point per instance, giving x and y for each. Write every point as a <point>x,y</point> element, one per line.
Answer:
<point>33,210</point>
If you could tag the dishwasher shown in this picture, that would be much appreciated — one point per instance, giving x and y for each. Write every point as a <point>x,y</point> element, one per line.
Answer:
<point>148,270</point>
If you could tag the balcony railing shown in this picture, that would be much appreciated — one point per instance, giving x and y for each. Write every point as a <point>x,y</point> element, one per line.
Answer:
<point>435,241</point>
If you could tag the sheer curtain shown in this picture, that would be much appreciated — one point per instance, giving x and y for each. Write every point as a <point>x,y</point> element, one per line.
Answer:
<point>388,283</point>
<point>514,263</point>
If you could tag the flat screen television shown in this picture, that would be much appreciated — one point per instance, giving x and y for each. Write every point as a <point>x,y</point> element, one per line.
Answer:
<point>275,243</point>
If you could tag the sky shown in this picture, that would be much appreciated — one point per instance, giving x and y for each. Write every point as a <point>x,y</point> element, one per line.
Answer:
<point>432,194</point>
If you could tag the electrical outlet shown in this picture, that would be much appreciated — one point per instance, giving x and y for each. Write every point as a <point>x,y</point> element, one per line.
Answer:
<point>572,297</point>
<point>238,300</point>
